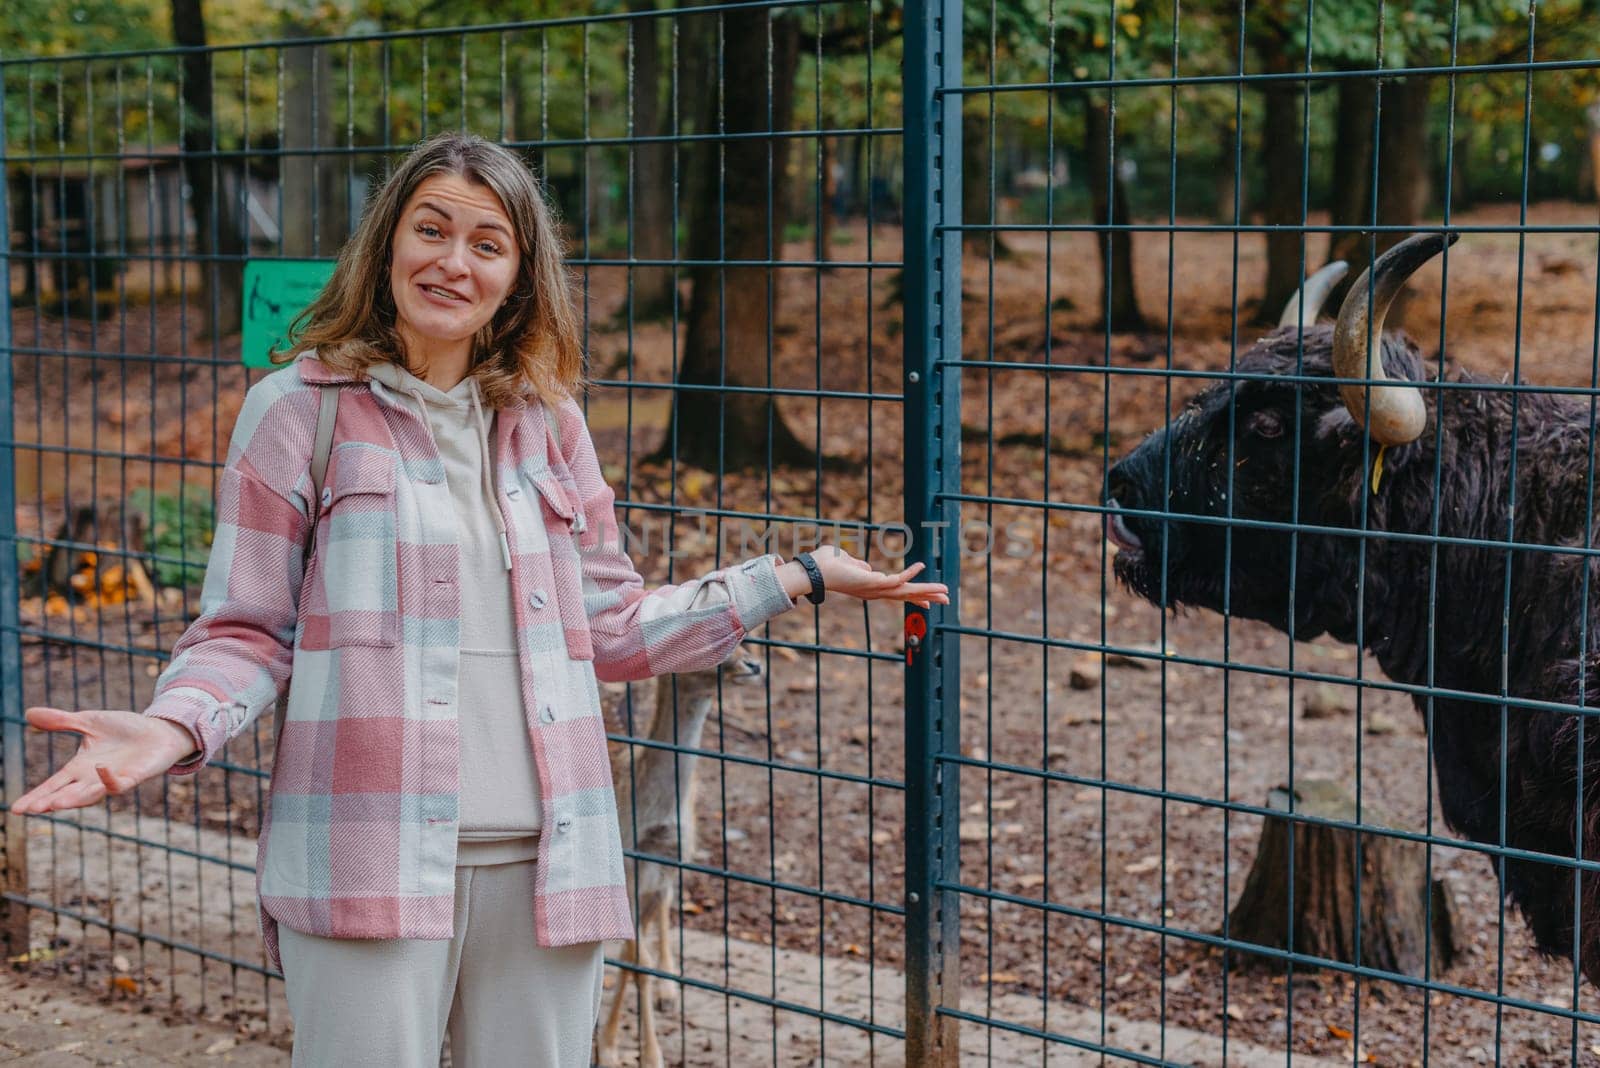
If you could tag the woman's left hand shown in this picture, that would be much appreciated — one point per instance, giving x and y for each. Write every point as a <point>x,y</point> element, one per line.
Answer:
<point>843,573</point>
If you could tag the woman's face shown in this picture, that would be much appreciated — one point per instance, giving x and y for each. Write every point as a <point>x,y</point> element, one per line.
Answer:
<point>454,260</point>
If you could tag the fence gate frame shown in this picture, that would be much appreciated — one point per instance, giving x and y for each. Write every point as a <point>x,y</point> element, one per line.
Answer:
<point>932,411</point>
<point>13,835</point>
<point>932,337</point>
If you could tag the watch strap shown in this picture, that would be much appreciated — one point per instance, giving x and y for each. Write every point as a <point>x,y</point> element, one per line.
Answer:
<point>814,573</point>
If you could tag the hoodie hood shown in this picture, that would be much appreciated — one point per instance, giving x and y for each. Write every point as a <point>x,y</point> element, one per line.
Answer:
<point>465,394</point>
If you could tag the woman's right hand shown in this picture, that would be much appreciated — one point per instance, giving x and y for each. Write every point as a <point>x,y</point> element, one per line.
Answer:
<point>119,750</point>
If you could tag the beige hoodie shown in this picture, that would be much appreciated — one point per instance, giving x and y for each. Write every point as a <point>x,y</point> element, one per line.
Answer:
<point>499,781</point>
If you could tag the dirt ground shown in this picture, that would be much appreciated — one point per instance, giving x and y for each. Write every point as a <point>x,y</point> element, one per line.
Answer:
<point>54,1024</point>
<point>811,798</point>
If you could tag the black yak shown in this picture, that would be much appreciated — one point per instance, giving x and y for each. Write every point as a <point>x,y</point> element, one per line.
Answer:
<point>1234,451</point>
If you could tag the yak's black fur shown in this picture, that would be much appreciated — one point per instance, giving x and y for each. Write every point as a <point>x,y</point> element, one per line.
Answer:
<point>1182,563</point>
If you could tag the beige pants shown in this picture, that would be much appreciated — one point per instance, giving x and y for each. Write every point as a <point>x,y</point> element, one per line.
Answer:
<point>500,997</point>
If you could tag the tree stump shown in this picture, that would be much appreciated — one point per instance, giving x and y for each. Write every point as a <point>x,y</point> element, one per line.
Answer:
<point>1395,893</point>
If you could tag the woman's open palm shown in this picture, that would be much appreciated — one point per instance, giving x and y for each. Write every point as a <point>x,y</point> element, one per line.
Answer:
<point>847,574</point>
<point>118,751</point>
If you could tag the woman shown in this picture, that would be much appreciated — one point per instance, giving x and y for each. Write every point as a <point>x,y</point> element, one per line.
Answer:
<point>440,853</point>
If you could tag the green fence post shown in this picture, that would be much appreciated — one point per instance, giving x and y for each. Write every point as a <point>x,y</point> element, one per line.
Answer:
<point>933,463</point>
<point>13,835</point>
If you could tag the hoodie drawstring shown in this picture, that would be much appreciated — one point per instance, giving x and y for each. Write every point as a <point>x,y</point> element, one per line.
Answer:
<point>489,475</point>
<point>487,465</point>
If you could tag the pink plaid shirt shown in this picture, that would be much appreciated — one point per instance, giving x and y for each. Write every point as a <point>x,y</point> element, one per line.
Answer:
<point>359,837</point>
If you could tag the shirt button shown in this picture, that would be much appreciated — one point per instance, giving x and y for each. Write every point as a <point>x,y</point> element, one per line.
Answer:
<point>548,714</point>
<point>578,525</point>
<point>514,492</point>
<point>564,824</point>
<point>327,497</point>
<point>537,598</point>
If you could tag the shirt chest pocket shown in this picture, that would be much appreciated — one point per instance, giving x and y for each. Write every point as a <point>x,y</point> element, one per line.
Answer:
<point>557,500</point>
<point>354,590</point>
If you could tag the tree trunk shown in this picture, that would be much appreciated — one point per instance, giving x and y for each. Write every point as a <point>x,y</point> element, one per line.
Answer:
<point>1116,246</point>
<point>1281,153</point>
<point>217,228</point>
<point>828,169</point>
<point>23,214</point>
<point>1403,185</point>
<point>854,203</point>
<point>315,222</point>
<point>1462,193</point>
<point>976,182</point>
<point>1392,908</point>
<point>652,173</point>
<point>1351,203</point>
<point>733,309</point>
<point>1223,184</point>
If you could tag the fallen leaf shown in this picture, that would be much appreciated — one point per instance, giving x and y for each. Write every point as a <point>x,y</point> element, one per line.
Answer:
<point>689,908</point>
<point>120,963</point>
<point>221,1045</point>
<point>1235,1013</point>
<point>1000,977</point>
<point>1140,867</point>
<point>1031,880</point>
<point>1339,1032</point>
<point>33,956</point>
<point>125,983</point>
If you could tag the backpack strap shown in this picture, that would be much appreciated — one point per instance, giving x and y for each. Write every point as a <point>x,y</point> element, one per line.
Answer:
<point>322,445</point>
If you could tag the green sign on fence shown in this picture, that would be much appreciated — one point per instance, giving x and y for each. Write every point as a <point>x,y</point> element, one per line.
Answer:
<point>275,291</point>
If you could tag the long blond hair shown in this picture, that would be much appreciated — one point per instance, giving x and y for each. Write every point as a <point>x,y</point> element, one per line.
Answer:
<point>533,341</point>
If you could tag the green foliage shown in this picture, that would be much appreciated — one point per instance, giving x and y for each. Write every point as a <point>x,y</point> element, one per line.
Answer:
<point>48,104</point>
<point>557,86</point>
<point>51,28</point>
<point>180,531</point>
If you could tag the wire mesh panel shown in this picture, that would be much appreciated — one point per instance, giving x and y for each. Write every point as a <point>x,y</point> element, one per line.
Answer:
<point>1274,824</point>
<point>1027,292</point>
<point>728,178</point>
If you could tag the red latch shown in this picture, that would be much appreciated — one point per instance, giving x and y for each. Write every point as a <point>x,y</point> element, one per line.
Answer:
<point>916,628</point>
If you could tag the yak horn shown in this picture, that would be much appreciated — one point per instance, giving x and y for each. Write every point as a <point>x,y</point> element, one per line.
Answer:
<point>1306,304</point>
<point>1398,414</point>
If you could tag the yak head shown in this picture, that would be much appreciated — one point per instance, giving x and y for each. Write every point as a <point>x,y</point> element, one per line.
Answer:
<point>1201,510</point>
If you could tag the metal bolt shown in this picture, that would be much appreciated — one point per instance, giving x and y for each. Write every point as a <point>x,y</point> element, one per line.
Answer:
<point>914,641</point>
<point>912,897</point>
<point>914,377</point>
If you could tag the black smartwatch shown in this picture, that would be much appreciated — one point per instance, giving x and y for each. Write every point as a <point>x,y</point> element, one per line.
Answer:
<point>814,573</point>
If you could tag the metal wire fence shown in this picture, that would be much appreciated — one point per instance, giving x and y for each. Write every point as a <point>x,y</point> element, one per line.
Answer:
<point>892,276</point>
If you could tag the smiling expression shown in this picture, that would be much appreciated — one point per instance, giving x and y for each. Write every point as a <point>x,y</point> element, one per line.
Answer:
<point>453,262</point>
